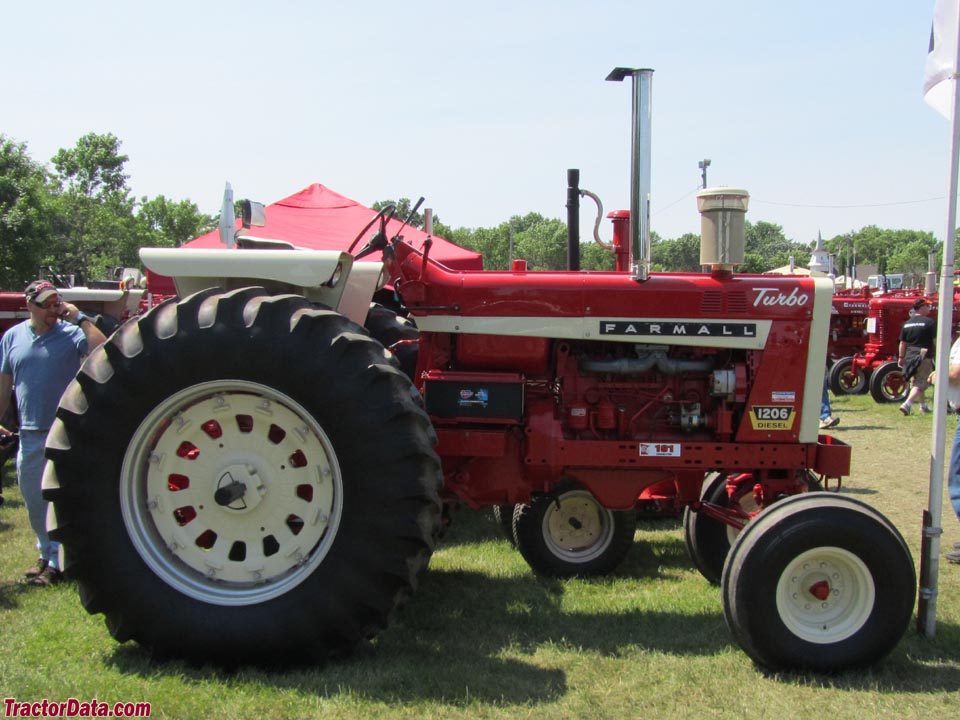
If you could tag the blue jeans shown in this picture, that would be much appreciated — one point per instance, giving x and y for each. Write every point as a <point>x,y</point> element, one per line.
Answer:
<point>825,410</point>
<point>30,462</point>
<point>953,479</point>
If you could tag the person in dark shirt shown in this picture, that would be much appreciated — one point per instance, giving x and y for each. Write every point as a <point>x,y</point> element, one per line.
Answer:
<point>915,356</point>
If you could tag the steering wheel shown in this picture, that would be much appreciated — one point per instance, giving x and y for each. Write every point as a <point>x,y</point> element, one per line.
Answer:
<point>386,212</point>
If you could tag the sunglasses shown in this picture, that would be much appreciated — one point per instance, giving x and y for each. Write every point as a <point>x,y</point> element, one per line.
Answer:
<point>49,304</point>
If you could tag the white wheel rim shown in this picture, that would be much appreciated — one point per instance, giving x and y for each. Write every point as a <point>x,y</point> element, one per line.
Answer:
<point>580,529</point>
<point>231,550</point>
<point>825,595</point>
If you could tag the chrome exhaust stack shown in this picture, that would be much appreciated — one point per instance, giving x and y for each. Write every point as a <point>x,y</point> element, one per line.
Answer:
<point>640,145</point>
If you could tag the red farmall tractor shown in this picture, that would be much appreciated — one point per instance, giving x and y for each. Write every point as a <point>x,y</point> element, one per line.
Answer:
<point>875,367</point>
<point>848,325</point>
<point>248,474</point>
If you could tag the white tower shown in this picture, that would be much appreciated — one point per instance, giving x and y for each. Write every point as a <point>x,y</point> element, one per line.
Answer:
<point>820,260</point>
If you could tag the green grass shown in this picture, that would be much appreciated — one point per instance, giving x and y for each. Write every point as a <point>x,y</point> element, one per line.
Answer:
<point>484,638</point>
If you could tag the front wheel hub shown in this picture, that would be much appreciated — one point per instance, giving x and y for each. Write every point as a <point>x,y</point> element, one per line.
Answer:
<point>239,488</point>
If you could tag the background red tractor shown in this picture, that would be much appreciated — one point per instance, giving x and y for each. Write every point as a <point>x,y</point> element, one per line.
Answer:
<point>848,324</point>
<point>875,366</point>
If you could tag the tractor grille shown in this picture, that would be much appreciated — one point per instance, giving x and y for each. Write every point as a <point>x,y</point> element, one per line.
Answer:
<point>715,302</point>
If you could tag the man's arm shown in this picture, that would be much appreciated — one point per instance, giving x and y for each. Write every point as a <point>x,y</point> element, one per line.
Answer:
<point>91,332</point>
<point>901,353</point>
<point>95,338</point>
<point>953,369</point>
<point>6,392</point>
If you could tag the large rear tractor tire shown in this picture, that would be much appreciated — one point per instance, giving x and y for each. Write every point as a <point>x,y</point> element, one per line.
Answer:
<point>568,533</point>
<point>818,582</point>
<point>847,378</point>
<point>391,330</point>
<point>888,385</point>
<point>239,478</point>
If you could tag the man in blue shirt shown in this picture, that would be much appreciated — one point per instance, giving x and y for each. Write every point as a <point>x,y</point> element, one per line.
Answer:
<point>38,359</point>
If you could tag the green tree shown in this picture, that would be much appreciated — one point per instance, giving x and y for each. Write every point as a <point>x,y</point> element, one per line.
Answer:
<point>94,226</point>
<point>165,223</point>
<point>492,243</point>
<point>24,213</point>
<point>543,244</point>
<point>594,257</point>
<point>679,255</point>
<point>892,251</point>
<point>911,253</point>
<point>93,168</point>
<point>766,247</point>
<point>539,241</point>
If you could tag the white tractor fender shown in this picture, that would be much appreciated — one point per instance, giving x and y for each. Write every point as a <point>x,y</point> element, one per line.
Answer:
<point>323,276</point>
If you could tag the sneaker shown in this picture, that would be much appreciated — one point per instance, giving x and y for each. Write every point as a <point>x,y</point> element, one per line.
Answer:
<point>36,569</point>
<point>953,557</point>
<point>925,409</point>
<point>829,422</point>
<point>49,576</point>
<point>905,409</point>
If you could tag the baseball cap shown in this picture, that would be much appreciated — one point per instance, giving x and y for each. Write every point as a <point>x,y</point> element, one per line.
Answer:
<point>920,302</point>
<point>39,291</point>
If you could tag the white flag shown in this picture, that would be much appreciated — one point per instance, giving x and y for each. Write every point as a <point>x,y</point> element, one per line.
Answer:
<point>942,58</point>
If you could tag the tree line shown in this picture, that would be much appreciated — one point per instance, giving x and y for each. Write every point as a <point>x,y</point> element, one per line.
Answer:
<point>542,242</point>
<point>77,215</point>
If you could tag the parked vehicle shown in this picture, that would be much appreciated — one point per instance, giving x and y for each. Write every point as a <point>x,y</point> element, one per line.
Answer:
<point>247,473</point>
<point>107,302</point>
<point>848,336</point>
<point>885,283</point>
<point>875,367</point>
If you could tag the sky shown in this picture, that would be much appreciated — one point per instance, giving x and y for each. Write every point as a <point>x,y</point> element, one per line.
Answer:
<point>815,108</point>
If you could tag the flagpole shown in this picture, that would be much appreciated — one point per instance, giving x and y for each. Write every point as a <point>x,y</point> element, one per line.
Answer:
<point>932,517</point>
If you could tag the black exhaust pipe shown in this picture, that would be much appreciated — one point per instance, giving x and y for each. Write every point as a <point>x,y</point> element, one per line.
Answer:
<point>573,219</point>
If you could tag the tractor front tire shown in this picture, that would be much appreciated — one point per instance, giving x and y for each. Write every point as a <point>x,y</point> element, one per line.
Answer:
<point>708,540</point>
<point>818,582</point>
<point>568,533</point>
<point>240,478</point>
<point>847,378</point>
<point>888,385</point>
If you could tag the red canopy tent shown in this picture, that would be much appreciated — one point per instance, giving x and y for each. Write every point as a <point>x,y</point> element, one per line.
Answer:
<point>317,218</point>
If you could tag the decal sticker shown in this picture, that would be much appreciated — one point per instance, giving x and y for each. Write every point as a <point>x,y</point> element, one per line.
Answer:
<point>783,396</point>
<point>865,307</point>
<point>473,398</point>
<point>769,297</point>
<point>693,329</point>
<point>771,417</point>
<point>659,450</point>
